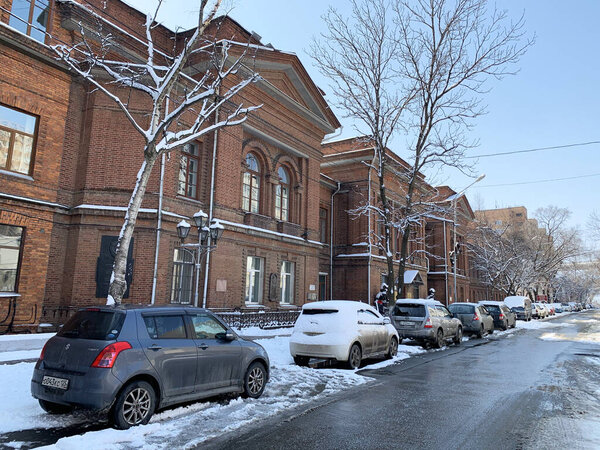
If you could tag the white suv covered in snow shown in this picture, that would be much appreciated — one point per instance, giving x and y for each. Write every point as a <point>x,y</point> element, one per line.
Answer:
<point>342,330</point>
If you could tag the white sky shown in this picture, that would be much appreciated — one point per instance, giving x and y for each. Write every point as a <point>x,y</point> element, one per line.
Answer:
<point>552,101</point>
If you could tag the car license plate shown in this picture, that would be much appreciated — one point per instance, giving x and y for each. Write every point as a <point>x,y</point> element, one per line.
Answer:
<point>59,383</point>
<point>407,323</point>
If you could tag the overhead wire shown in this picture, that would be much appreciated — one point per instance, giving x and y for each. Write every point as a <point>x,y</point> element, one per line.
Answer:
<point>539,149</point>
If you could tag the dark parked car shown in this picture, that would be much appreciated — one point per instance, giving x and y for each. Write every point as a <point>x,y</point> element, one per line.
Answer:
<point>504,318</point>
<point>475,318</point>
<point>131,361</point>
<point>427,321</point>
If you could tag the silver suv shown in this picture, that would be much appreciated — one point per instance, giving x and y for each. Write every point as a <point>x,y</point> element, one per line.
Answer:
<point>427,321</point>
<point>131,361</point>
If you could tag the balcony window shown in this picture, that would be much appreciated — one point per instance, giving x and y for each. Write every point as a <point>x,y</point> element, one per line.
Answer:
<point>282,196</point>
<point>323,229</point>
<point>17,140</point>
<point>188,171</point>
<point>30,17</point>
<point>251,185</point>
<point>10,252</point>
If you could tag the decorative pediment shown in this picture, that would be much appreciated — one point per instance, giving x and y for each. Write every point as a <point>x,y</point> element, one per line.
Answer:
<point>282,82</point>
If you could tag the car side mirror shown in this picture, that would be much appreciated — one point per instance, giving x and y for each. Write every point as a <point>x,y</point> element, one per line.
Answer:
<point>225,336</point>
<point>386,321</point>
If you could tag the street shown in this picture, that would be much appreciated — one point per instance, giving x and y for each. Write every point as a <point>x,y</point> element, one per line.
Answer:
<point>535,386</point>
<point>531,389</point>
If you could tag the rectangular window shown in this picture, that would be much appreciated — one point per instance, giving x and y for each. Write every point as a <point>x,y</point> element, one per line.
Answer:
<point>30,17</point>
<point>10,252</point>
<point>322,286</point>
<point>17,140</point>
<point>323,228</point>
<point>286,282</point>
<point>206,327</point>
<point>183,277</point>
<point>188,171</point>
<point>165,327</point>
<point>254,279</point>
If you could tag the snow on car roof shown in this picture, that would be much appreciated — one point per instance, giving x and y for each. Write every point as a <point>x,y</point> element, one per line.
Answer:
<point>490,302</point>
<point>421,301</point>
<point>345,305</point>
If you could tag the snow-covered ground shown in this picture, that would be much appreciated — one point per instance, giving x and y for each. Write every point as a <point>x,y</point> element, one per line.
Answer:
<point>289,386</point>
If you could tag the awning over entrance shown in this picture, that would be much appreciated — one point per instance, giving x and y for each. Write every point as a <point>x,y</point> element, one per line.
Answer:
<point>412,277</point>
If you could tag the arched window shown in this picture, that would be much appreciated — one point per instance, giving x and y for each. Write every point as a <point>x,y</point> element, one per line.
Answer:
<point>251,185</point>
<point>282,196</point>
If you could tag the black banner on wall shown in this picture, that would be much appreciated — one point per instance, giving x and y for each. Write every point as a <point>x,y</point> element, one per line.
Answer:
<point>104,266</point>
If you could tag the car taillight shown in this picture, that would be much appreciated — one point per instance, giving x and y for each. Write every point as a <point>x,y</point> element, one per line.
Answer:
<point>43,351</point>
<point>107,357</point>
<point>428,323</point>
<point>501,316</point>
<point>475,317</point>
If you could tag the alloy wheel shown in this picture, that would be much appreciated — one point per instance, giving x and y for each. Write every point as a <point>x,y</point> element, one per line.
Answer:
<point>136,406</point>
<point>256,380</point>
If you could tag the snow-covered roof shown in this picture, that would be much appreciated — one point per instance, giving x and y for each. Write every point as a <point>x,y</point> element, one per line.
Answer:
<point>412,276</point>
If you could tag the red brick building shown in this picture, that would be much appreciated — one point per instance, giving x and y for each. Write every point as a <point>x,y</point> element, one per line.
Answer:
<point>68,162</point>
<point>461,283</point>
<point>353,261</point>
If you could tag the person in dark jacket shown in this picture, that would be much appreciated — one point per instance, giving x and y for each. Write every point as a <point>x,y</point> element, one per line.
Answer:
<point>381,299</point>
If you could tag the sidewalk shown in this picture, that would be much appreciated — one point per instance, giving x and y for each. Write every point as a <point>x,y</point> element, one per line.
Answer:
<point>16,348</point>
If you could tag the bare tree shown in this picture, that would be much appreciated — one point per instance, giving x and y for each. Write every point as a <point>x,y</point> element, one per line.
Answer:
<point>593,225</point>
<point>359,55</point>
<point>449,49</point>
<point>181,108</point>
<point>550,246</point>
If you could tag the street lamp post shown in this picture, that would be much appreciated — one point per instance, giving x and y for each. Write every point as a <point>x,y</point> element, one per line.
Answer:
<point>456,248</point>
<point>207,240</point>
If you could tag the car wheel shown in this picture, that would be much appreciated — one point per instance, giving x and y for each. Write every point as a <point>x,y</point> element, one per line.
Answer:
<point>392,349</point>
<point>504,325</point>
<point>55,408</point>
<point>481,332</point>
<point>439,339</point>
<point>301,360</point>
<point>354,357</point>
<point>458,337</point>
<point>134,406</point>
<point>255,380</point>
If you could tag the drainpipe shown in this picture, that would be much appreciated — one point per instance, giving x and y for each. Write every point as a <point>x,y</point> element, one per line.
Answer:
<point>331,244</point>
<point>369,237</point>
<point>210,208</point>
<point>445,262</point>
<point>159,216</point>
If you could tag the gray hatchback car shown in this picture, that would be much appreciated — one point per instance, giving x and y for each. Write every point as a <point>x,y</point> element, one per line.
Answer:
<point>131,361</point>
<point>427,321</point>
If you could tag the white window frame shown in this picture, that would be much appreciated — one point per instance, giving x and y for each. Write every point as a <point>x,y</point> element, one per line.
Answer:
<point>254,277</point>
<point>287,279</point>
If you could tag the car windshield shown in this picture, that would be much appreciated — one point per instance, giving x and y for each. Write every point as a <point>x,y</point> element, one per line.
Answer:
<point>409,310</point>
<point>492,308</point>
<point>315,311</point>
<point>461,309</point>
<point>93,324</point>
<point>518,308</point>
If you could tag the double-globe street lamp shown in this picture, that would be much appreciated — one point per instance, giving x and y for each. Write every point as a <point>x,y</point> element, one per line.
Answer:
<point>208,235</point>
<point>455,249</point>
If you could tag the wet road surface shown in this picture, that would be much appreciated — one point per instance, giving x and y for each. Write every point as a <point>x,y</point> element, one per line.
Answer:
<point>527,389</point>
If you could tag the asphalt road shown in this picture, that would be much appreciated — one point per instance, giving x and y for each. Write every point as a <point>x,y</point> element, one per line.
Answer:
<point>514,391</point>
